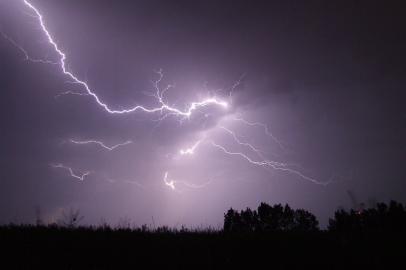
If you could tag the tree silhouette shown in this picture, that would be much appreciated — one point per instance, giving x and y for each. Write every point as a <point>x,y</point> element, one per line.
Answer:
<point>305,221</point>
<point>269,218</point>
<point>230,219</point>
<point>383,217</point>
<point>249,220</point>
<point>71,219</point>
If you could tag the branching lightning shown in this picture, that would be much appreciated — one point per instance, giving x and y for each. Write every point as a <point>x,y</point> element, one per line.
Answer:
<point>190,150</point>
<point>166,110</point>
<point>261,125</point>
<point>269,164</point>
<point>169,183</point>
<point>80,177</point>
<point>109,148</point>
<point>172,183</point>
<point>238,141</point>
<point>27,57</point>
<point>164,107</point>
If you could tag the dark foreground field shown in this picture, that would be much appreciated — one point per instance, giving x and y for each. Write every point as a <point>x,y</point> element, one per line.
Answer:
<point>52,247</point>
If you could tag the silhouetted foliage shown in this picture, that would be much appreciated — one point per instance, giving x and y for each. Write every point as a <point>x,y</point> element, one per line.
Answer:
<point>305,221</point>
<point>389,218</point>
<point>270,218</point>
<point>284,238</point>
<point>71,219</point>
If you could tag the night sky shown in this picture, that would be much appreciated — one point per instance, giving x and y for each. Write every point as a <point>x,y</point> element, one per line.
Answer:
<point>326,78</point>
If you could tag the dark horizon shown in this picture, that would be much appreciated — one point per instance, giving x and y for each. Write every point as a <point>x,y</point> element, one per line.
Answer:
<point>320,86</point>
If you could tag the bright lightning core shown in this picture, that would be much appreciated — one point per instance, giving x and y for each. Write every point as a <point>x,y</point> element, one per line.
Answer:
<point>190,150</point>
<point>169,183</point>
<point>172,183</point>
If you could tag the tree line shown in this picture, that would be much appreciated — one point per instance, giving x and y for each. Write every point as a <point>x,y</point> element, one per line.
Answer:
<point>277,218</point>
<point>266,218</point>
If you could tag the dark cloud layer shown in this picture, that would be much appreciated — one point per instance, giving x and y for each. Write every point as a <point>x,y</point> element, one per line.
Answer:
<point>327,78</point>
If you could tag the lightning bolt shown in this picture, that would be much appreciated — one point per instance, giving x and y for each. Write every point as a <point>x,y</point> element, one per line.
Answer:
<point>269,164</point>
<point>171,183</point>
<point>190,150</point>
<point>27,57</point>
<point>109,148</point>
<point>238,141</point>
<point>164,107</point>
<point>71,93</point>
<point>261,125</point>
<point>235,85</point>
<point>80,177</point>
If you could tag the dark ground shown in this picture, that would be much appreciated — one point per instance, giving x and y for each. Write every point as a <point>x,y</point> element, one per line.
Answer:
<point>52,247</point>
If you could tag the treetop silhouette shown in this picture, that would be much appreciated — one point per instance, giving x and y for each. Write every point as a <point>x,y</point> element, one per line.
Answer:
<point>270,218</point>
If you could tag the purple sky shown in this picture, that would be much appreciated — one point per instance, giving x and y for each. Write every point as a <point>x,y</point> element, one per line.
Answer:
<point>327,79</point>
